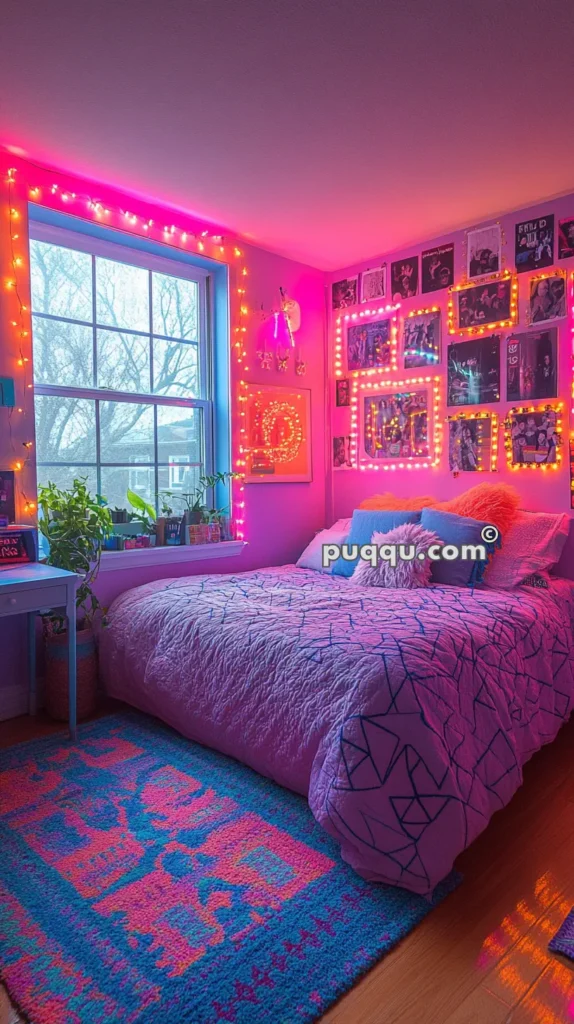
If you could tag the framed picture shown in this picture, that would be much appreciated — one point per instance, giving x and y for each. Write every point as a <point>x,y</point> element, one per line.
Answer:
<point>421,338</point>
<point>344,293</point>
<point>473,374</point>
<point>437,268</point>
<point>534,244</point>
<point>531,366</point>
<point>404,278</point>
<point>395,427</point>
<point>547,299</point>
<point>278,434</point>
<point>472,443</point>
<point>374,284</point>
<point>7,495</point>
<point>483,251</point>
<point>370,344</point>
<point>566,239</point>
<point>534,436</point>
<point>342,392</point>
<point>342,452</point>
<point>476,308</point>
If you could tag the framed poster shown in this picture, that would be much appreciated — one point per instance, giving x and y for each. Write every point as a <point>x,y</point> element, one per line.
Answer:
<point>374,284</point>
<point>534,244</point>
<point>404,278</point>
<point>395,426</point>
<point>342,392</point>
<point>344,293</point>
<point>473,372</point>
<point>472,443</point>
<point>7,495</point>
<point>547,299</point>
<point>478,307</point>
<point>531,365</point>
<point>421,338</point>
<point>342,458</point>
<point>534,436</point>
<point>370,344</point>
<point>437,268</point>
<point>278,434</point>
<point>566,239</point>
<point>483,252</point>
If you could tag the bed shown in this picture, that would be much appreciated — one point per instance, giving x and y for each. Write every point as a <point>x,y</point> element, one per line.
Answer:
<point>404,716</point>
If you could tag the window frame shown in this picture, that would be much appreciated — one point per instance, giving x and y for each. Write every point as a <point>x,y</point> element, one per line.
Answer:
<point>121,251</point>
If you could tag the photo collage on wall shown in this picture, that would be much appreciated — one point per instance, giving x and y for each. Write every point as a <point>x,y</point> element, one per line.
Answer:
<point>500,298</point>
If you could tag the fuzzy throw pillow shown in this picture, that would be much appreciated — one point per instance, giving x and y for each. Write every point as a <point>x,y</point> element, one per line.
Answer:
<point>408,573</point>
<point>496,504</point>
<point>389,502</point>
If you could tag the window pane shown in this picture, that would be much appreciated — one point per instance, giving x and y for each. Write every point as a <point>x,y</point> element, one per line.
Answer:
<point>61,281</point>
<point>63,353</point>
<point>178,434</point>
<point>117,479</point>
<point>126,432</point>
<point>64,476</point>
<point>175,481</point>
<point>65,429</point>
<point>175,369</point>
<point>123,362</point>
<point>174,306</point>
<point>122,295</point>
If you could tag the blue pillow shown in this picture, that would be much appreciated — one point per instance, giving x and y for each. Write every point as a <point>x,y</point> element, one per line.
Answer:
<point>363,525</point>
<point>459,530</point>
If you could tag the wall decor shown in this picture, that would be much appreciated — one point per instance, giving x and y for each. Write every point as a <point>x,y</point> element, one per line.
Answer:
<point>371,345</point>
<point>534,436</point>
<point>344,293</point>
<point>276,446</point>
<point>472,442</point>
<point>473,373</point>
<point>405,278</point>
<point>531,365</point>
<point>7,495</point>
<point>342,392</point>
<point>483,251</point>
<point>534,244</point>
<point>389,423</point>
<point>437,268</point>
<point>566,239</point>
<point>342,452</point>
<point>374,284</point>
<point>421,338</point>
<point>547,299</point>
<point>345,320</point>
<point>7,392</point>
<point>571,472</point>
<point>476,308</point>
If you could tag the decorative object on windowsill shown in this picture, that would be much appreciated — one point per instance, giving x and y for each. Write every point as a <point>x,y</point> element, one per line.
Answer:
<point>75,524</point>
<point>205,533</point>
<point>119,515</point>
<point>196,511</point>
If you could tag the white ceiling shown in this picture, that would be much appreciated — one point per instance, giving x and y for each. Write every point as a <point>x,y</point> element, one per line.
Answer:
<point>327,130</point>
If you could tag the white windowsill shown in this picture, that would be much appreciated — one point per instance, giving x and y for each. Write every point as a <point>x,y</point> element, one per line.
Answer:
<point>137,557</point>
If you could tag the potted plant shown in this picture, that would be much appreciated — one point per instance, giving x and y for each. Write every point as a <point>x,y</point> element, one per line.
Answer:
<point>144,514</point>
<point>75,524</point>
<point>196,511</point>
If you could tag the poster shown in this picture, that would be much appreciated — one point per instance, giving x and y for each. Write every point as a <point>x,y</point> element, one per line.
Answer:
<point>373,284</point>
<point>566,239</point>
<point>369,345</point>
<point>534,244</point>
<point>469,444</point>
<point>534,437</point>
<point>437,268</point>
<point>343,392</point>
<point>395,426</point>
<point>531,367</point>
<point>404,278</point>
<point>473,374</point>
<point>486,303</point>
<point>7,495</point>
<point>421,339</point>
<point>278,426</point>
<point>342,452</point>
<point>483,251</point>
<point>344,293</point>
<point>547,300</point>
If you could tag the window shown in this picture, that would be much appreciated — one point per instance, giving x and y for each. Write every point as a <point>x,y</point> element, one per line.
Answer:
<point>122,367</point>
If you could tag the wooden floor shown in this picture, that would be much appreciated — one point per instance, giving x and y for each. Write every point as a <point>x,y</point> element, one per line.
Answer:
<point>481,956</point>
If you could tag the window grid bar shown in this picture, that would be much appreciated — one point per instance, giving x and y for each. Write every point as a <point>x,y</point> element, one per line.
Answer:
<point>109,395</point>
<point>94,328</point>
<point>117,330</point>
<point>98,449</point>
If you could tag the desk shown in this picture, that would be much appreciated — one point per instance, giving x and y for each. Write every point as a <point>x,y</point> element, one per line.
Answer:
<point>29,589</point>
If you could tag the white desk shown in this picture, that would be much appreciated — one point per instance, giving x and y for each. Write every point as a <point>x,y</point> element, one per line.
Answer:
<point>29,589</point>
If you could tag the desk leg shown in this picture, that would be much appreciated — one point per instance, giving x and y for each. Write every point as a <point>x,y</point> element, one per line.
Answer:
<point>71,616</point>
<point>32,704</point>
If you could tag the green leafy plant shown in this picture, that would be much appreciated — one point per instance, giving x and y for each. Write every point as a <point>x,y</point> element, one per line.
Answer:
<point>142,513</point>
<point>75,523</point>
<point>194,501</point>
<point>165,507</point>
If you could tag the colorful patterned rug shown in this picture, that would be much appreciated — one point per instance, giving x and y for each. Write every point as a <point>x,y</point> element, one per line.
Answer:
<point>144,878</point>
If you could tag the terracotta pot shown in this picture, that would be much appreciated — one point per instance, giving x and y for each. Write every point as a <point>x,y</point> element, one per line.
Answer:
<point>56,688</point>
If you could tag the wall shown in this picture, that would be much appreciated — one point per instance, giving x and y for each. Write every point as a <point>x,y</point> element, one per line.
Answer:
<point>279,518</point>
<point>549,491</point>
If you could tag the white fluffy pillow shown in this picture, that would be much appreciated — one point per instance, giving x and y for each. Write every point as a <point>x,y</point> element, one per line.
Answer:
<point>406,575</point>
<point>532,545</point>
<point>312,557</point>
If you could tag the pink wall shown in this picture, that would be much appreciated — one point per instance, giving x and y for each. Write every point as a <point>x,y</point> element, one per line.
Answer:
<point>549,491</point>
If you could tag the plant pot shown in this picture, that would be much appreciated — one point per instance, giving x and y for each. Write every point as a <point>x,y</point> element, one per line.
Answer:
<point>56,688</point>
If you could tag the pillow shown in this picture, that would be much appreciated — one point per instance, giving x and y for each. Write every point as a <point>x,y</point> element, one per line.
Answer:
<point>363,526</point>
<point>312,557</point>
<point>453,529</point>
<point>405,574</point>
<point>389,502</point>
<point>495,504</point>
<point>533,544</point>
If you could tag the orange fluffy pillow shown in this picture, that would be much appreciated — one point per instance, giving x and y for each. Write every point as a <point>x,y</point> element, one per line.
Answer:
<point>489,503</point>
<point>390,503</point>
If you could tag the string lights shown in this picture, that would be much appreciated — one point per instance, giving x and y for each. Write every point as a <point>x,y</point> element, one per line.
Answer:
<point>481,416</point>
<point>91,207</point>
<point>349,319</point>
<point>525,410</point>
<point>482,328</point>
<point>364,388</point>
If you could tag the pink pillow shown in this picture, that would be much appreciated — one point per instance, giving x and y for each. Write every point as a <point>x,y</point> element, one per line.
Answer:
<point>532,545</point>
<point>406,575</point>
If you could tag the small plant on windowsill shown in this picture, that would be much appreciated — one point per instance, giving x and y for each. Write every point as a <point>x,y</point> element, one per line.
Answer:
<point>75,524</point>
<point>144,514</point>
<point>196,511</point>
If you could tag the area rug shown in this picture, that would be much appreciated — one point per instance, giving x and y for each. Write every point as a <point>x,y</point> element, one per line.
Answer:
<point>563,941</point>
<point>144,878</point>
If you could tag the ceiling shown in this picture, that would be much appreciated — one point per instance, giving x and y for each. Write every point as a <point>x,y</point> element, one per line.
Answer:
<point>326,130</point>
